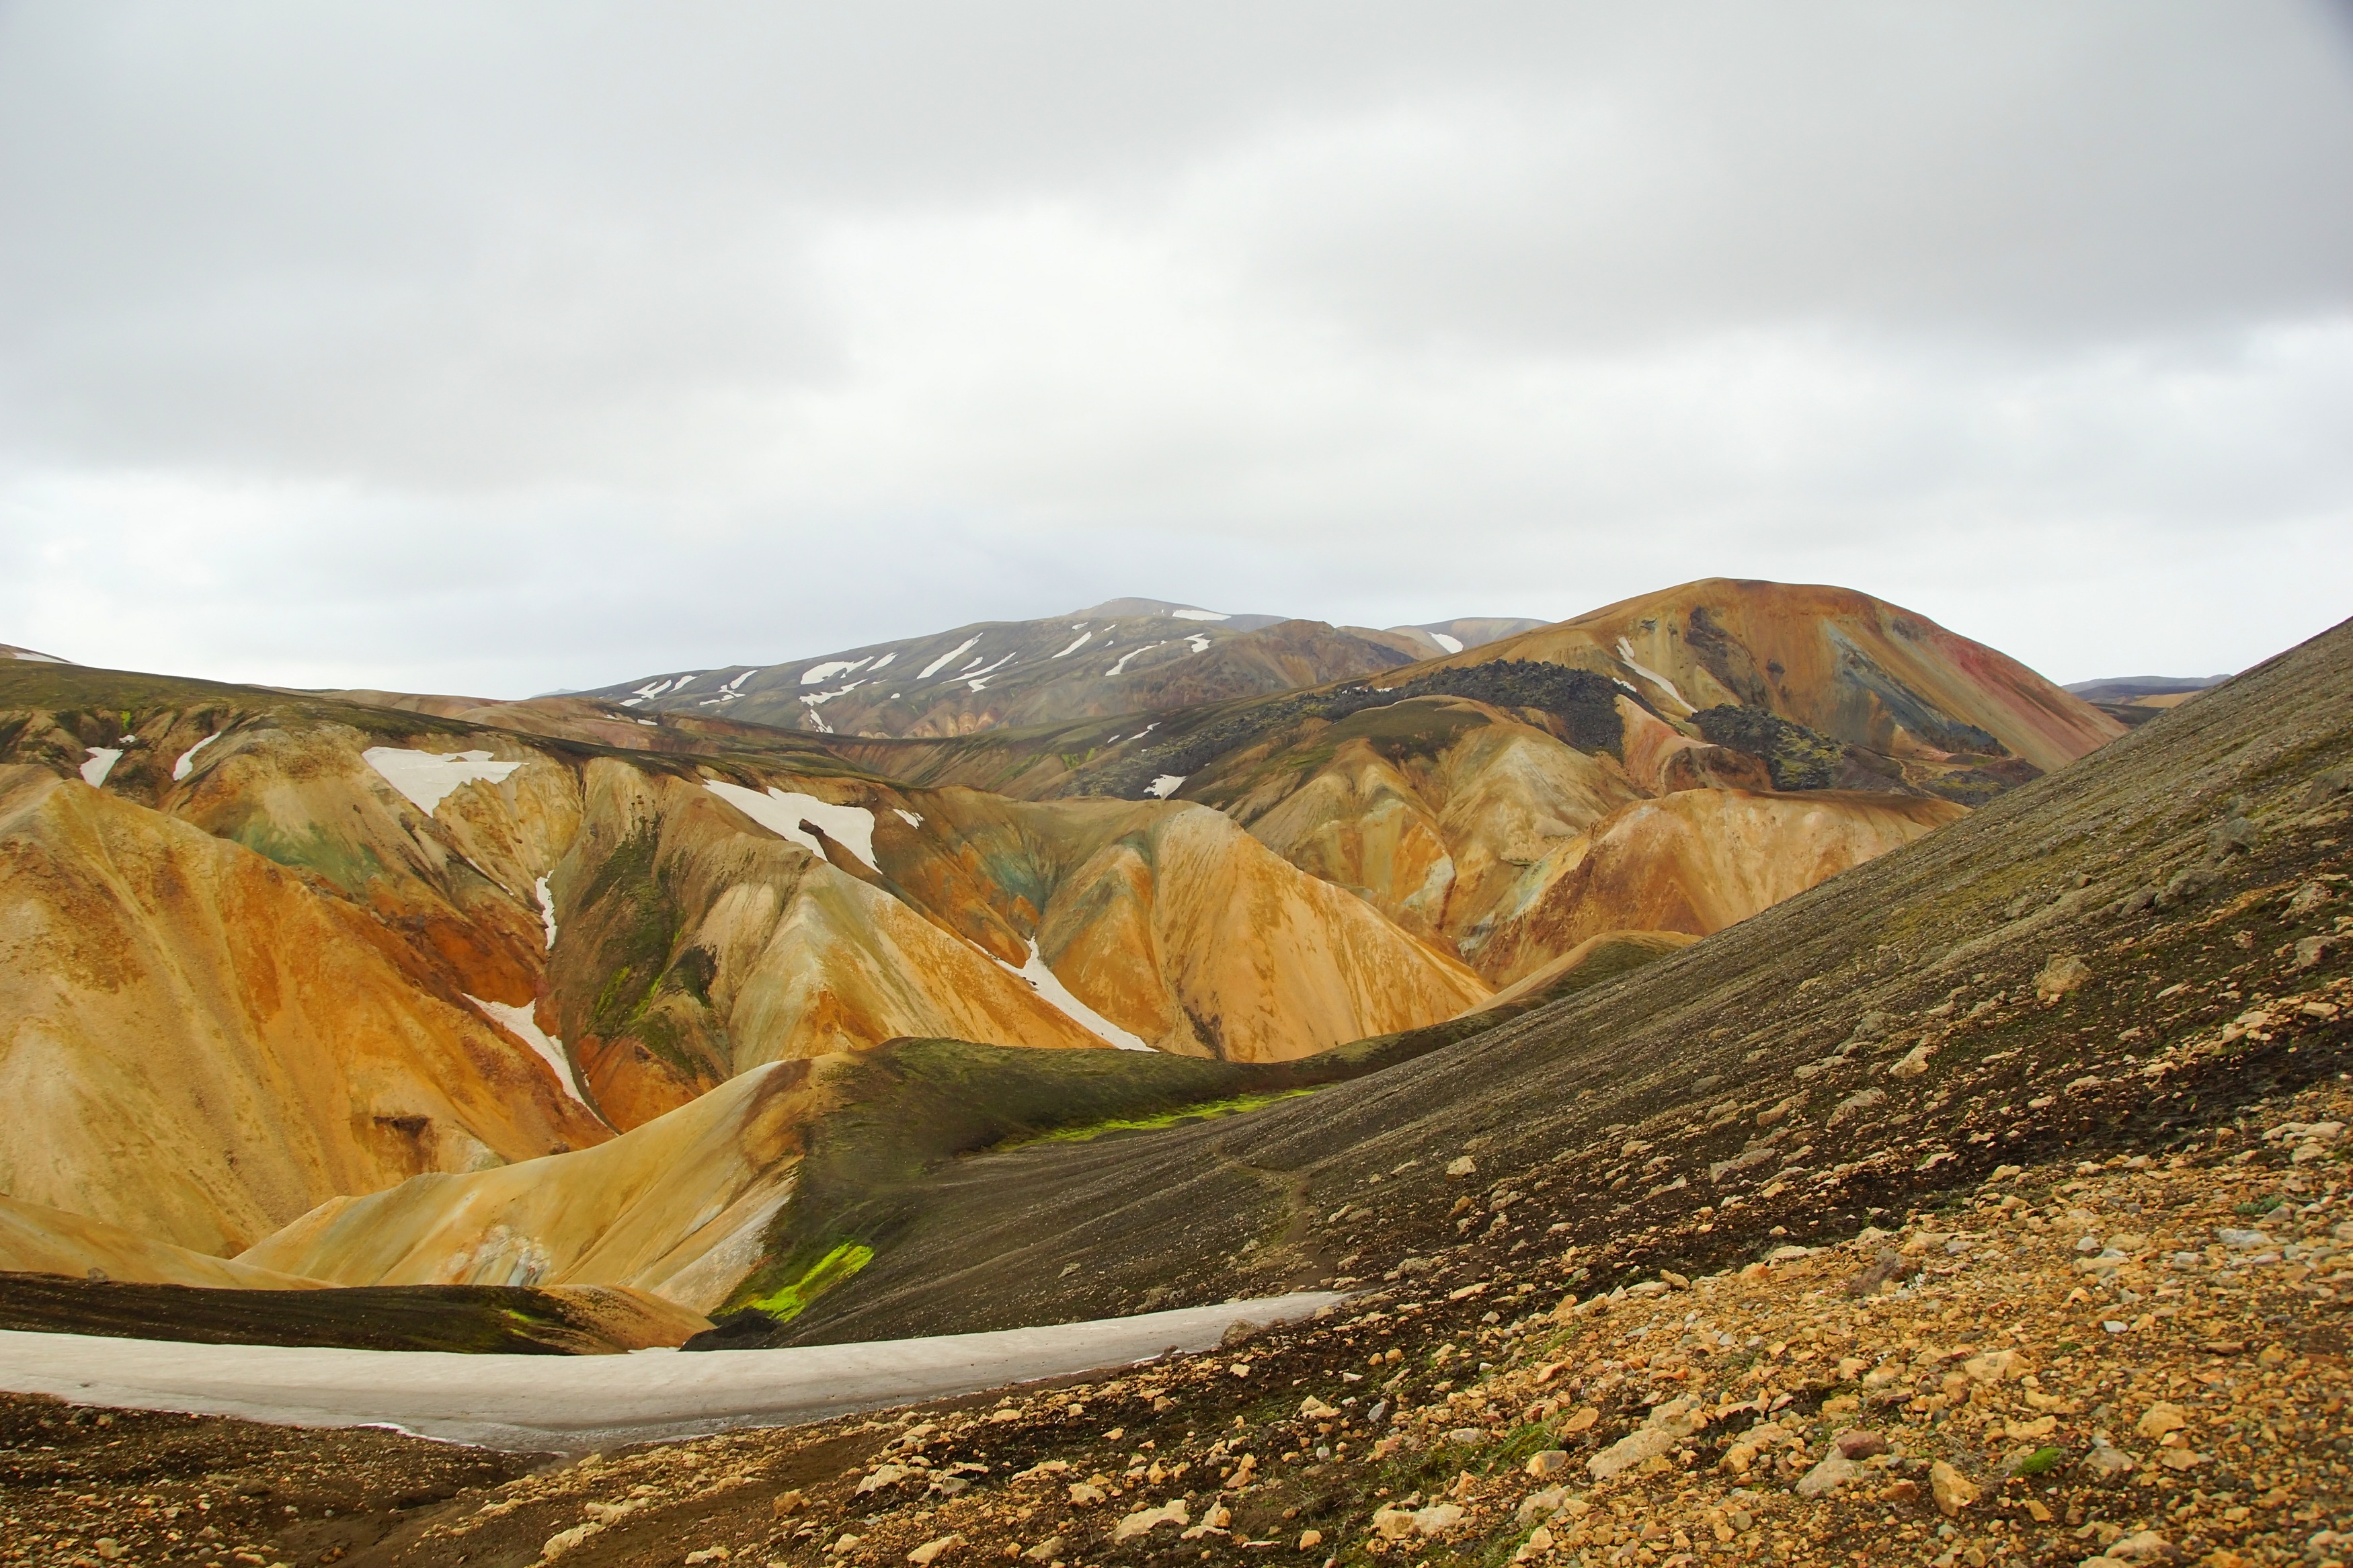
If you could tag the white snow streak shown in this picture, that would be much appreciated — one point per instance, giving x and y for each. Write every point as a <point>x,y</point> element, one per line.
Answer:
<point>1166,785</point>
<point>1450,643</point>
<point>737,684</point>
<point>101,762</point>
<point>1199,615</point>
<point>1131,653</point>
<point>912,819</point>
<point>1626,652</point>
<point>519,1022</point>
<point>976,681</point>
<point>546,909</point>
<point>828,670</point>
<point>428,777</point>
<point>1084,638</point>
<point>1048,986</point>
<point>187,762</point>
<point>936,665</point>
<point>1200,644</point>
<point>886,659</point>
<point>782,813</point>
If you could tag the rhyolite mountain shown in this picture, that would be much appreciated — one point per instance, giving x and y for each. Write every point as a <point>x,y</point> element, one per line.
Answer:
<point>377,988</point>
<point>1122,657</point>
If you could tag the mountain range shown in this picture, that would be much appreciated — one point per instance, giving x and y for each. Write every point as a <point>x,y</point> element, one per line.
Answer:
<point>372,988</point>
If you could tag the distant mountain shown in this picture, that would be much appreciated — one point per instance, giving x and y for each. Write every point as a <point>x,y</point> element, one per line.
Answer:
<point>2124,688</point>
<point>8,650</point>
<point>1126,656</point>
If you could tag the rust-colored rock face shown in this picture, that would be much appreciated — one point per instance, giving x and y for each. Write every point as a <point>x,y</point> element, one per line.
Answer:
<point>1842,663</point>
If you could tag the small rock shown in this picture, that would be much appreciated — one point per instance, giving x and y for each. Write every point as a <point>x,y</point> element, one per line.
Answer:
<point>1827,1476</point>
<point>1914,1063</point>
<point>2160,1418</point>
<point>1437,1518</point>
<point>2106,1463</point>
<point>1628,1451</point>
<point>1314,1409</point>
<point>1856,1443</point>
<point>1953,1492</point>
<point>789,1503</point>
<point>1144,1520</point>
<point>1310,1538</point>
<point>1085,1492</point>
<point>1045,1551</point>
<point>1579,1420</point>
<point>1462,1165</point>
<point>930,1551</point>
<point>2064,972</point>
<point>1901,1490</point>
<point>1547,1464</point>
<point>715,1555</point>
<point>1466,1436</point>
<point>1542,1504</point>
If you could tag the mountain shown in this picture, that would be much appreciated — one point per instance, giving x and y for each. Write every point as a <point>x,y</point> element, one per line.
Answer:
<point>264,949</point>
<point>2136,959</point>
<point>8,650</point>
<point>2134,700</point>
<point>1494,802</point>
<point>396,989</point>
<point>1122,657</point>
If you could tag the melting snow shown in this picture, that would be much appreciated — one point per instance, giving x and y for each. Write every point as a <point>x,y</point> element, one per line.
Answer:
<point>1450,643</point>
<point>912,819</point>
<point>1626,652</point>
<point>828,670</point>
<point>1131,653</point>
<point>737,684</point>
<point>782,813</point>
<point>886,659</point>
<point>1200,644</point>
<point>934,667</point>
<point>650,688</point>
<point>984,675</point>
<point>101,762</point>
<point>426,777</point>
<point>814,698</point>
<point>684,681</point>
<point>29,656</point>
<point>187,762</point>
<point>519,1022</point>
<point>1048,986</point>
<point>1084,638</point>
<point>1166,785</point>
<point>1199,615</point>
<point>546,909</point>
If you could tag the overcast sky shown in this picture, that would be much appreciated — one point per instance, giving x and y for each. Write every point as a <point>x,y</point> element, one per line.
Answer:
<point>502,347</point>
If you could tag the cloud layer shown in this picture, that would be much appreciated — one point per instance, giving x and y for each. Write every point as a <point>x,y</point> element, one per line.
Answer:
<point>500,349</point>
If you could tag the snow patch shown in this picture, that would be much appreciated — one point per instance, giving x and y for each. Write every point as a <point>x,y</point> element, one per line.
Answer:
<point>1050,986</point>
<point>546,909</point>
<point>1199,615</point>
<point>814,698</point>
<point>28,655</point>
<point>1166,785</point>
<point>976,681</point>
<point>684,681</point>
<point>936,665</point>
<point>186,764</point>
<point>1626,653</point>
<point>428,777</point>
<point>519,1022</point>
<point>912,819</point>
<point>1200,644</point>
<point>1450,643</point>
<point>1131,653</point>
<point>782,813</point>
<point>817,673</point>
<point>101,762</point>
<point>886,659</point>
<point>1084,638</point>
<point>737,684</point>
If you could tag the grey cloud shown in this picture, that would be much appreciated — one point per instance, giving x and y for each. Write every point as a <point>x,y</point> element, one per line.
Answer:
<point>515,346</point>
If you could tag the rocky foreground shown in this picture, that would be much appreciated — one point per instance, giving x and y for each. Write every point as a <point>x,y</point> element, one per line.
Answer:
<point>2131,1362</point>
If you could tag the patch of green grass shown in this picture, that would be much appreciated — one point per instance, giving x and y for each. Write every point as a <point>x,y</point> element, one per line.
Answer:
<point>2041,1459</point>
<point>1203,1111</point>
<point>789,1301</point>
<point>2260,1206</point>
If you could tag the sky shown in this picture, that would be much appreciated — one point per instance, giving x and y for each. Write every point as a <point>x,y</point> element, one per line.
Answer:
<point>498,348</point>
